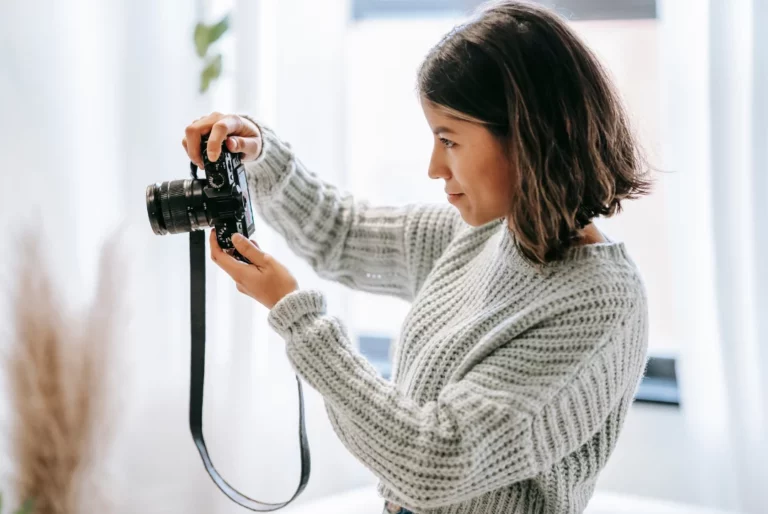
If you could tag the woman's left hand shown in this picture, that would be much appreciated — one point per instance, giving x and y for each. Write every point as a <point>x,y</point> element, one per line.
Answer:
<point>265,280</point>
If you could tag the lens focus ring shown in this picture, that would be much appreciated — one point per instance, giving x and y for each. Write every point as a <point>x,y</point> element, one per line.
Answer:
<point>173,197</point>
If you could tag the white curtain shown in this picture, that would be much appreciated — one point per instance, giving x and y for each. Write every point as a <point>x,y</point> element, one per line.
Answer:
<point>94,98</point>
<point>715,79</point>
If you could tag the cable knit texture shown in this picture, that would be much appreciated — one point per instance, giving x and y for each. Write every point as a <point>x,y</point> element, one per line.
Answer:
<point>511,381</point>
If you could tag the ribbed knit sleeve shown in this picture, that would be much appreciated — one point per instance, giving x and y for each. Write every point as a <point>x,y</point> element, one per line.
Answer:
<point>531,391</point>
<point>379,249</point>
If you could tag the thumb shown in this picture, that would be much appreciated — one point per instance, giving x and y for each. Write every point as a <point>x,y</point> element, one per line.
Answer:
<point>233,144</point>
<point>248,147</point>
<point>248,249</point>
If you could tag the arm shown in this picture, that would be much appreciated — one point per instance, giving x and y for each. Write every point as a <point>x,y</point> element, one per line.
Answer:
<point>498,424</point>
<point>386,250</point>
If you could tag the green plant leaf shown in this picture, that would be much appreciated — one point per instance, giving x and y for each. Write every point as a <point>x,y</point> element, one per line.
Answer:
<point>206,35</point>
<point>26,507</point>
<point>211,72</point>
<point>201,39</point>
<point>218,30</point>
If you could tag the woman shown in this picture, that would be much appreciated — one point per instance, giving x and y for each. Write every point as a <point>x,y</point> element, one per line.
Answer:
<point>528,329</point>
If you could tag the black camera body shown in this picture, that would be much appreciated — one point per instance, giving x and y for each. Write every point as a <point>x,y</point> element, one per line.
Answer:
<point>220,200</point>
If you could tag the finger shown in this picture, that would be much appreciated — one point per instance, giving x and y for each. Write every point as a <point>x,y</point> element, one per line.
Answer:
<point>229,264</point>
<point>219,132</point>
<point>191,144</point>
<point>213,241</point>
<point>248,249</point>
<point>184,144</point>
<point>248,147</point>
<point>193,133</point>
<point>241,288</point>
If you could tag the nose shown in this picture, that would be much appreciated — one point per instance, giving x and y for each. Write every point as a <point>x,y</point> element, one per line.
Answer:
<point>437,166</point>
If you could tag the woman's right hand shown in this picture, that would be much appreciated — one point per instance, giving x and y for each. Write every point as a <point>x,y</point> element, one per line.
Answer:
<point>242,136</point>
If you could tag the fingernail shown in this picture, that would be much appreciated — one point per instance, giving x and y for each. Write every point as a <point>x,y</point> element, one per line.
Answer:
<point>234,144</point>
<point>237,237</point>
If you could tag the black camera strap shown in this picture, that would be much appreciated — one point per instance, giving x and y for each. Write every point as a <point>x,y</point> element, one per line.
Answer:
<point>197,262</point>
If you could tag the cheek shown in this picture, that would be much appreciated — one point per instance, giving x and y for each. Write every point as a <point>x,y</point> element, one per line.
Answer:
<point>495,189</point>
<point>483,175</point>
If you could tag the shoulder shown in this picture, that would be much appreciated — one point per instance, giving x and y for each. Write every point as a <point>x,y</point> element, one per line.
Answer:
<point>603,273</point>
<point>603,292</point>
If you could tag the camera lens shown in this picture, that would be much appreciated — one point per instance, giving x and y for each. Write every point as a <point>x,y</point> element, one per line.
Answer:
<point>176,206</point>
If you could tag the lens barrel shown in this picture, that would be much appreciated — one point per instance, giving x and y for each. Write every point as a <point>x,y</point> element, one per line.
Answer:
<point>176,206</point>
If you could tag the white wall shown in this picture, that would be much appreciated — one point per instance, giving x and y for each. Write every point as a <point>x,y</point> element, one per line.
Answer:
<point>653,457</point>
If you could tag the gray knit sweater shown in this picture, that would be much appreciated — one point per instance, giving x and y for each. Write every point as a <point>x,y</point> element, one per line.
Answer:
<point>511,382</point>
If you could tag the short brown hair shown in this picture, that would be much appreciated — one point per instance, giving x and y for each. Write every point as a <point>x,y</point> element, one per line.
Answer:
<point>520,70</point>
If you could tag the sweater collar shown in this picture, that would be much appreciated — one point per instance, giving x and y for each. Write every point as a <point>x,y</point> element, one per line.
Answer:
<point>611,250</point>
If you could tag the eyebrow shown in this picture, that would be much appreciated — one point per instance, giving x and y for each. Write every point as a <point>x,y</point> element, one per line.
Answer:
<point>444,130</point>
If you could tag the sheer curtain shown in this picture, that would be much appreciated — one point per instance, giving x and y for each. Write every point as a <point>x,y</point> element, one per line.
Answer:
<point>716,143</point>
<point>95,96</point>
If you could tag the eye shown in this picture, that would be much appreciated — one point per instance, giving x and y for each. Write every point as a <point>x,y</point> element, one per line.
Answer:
<point>447,142</point>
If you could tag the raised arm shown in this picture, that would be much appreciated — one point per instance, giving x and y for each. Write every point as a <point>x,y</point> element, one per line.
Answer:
<point>379,249</point>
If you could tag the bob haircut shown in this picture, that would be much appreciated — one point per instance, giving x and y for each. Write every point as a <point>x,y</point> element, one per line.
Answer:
<point>521,71</point>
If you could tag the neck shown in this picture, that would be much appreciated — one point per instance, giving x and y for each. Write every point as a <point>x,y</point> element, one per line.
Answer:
<point>590,235</point>
<point>587,236</point>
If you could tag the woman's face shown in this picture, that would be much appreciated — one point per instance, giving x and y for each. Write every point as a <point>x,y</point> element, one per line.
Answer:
<point>472,162</point>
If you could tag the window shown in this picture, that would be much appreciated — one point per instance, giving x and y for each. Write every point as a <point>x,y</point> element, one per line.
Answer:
<point>659,384</point>
<point>573,9</point>
<point>378,350</point>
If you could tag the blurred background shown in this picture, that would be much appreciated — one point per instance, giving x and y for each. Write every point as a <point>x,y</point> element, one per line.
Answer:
<point>94,99</point>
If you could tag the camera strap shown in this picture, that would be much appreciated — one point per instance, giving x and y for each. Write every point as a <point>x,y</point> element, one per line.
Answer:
<point>197,262</point>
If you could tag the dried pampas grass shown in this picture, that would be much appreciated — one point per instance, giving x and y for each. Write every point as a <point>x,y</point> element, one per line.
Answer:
<point>58,372</point>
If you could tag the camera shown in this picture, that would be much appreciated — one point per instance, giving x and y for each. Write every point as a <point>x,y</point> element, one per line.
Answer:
<point>220,200</point>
